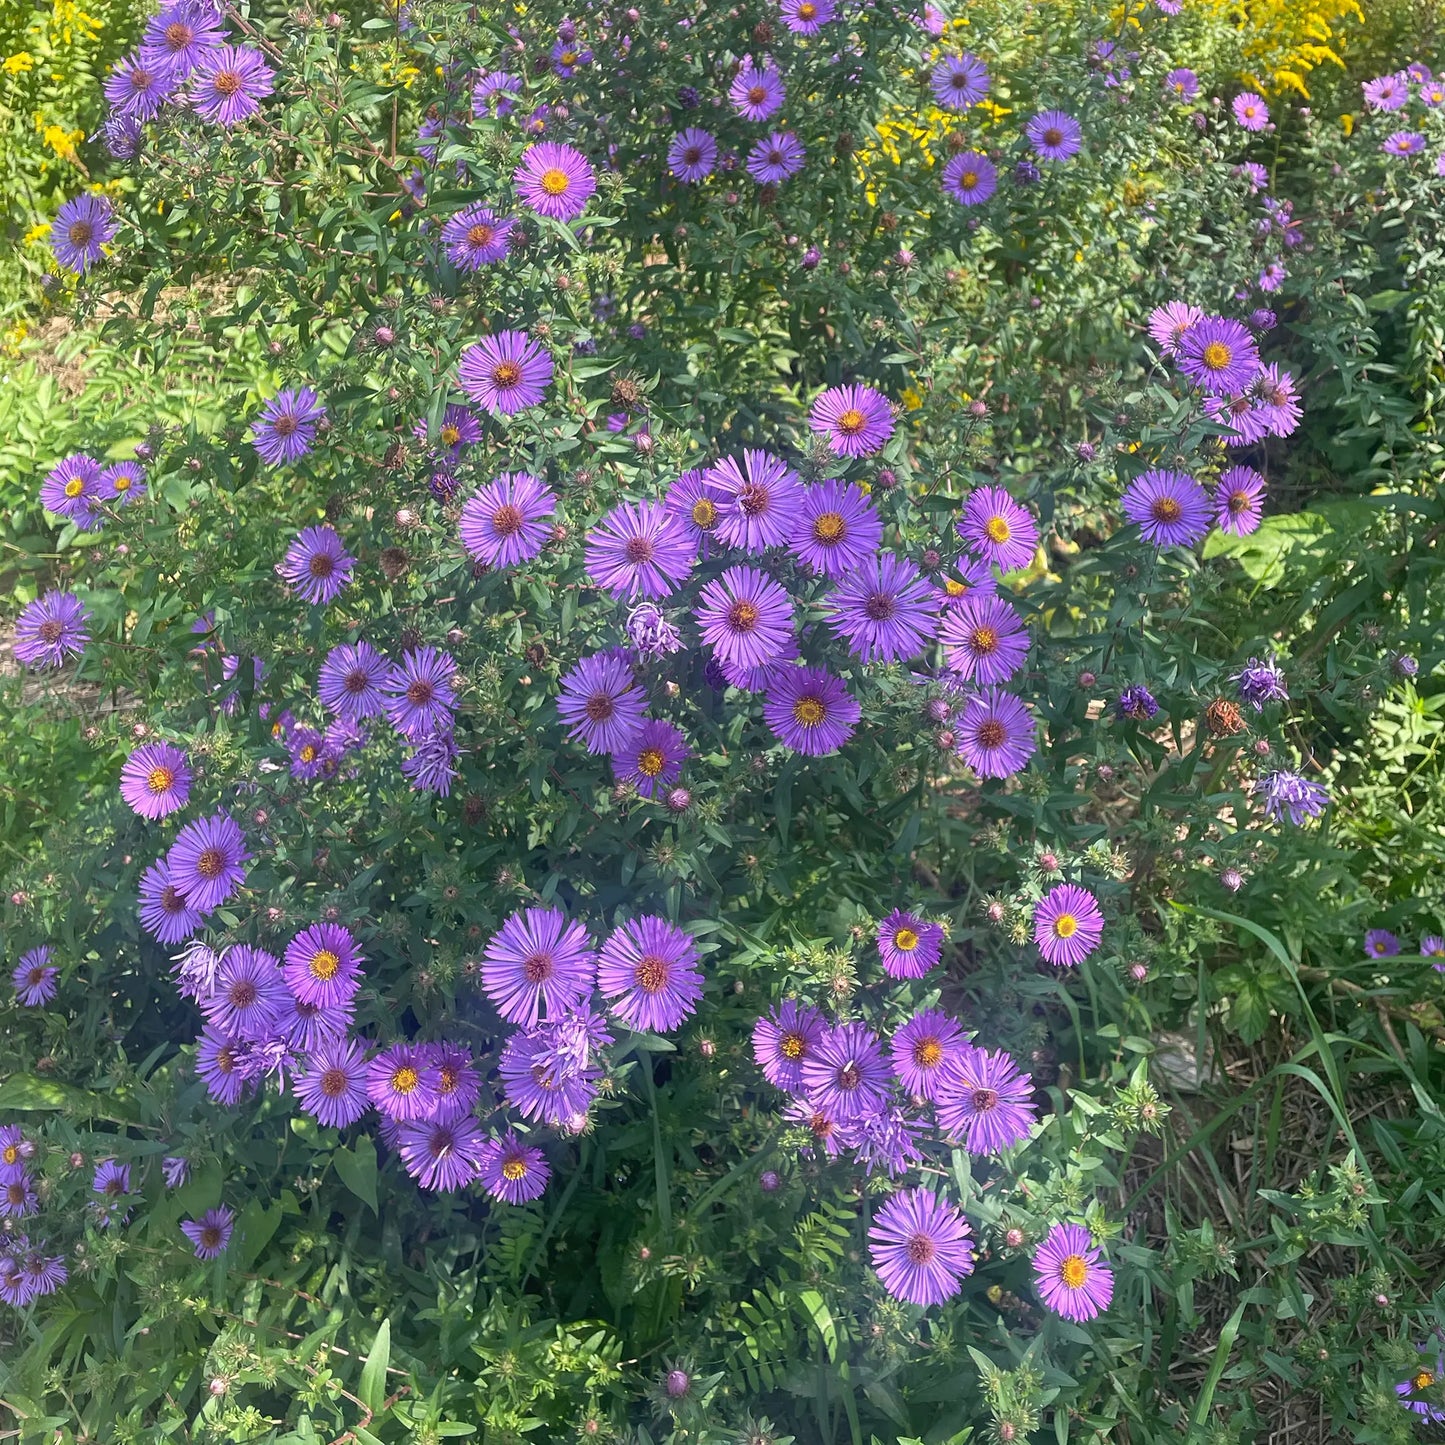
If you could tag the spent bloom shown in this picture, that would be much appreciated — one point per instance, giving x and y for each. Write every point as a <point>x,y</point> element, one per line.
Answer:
<point>1387,92</point>
<point>211,1233</point>
<point>1260,683</point>
<point>1288,794</point>
<point>1168,323</point>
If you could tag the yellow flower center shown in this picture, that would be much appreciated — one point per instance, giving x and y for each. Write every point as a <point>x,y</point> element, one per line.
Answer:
<point>405,1079</point>
<point>851,422</point>
<point>159,780</point>
<point>506,374</point>
<point>650,762</point>
<point>74,487</point>
<point>954,588</point>
<point>1073,1271</point>
<point>968,180</point>
<point>807,10</point>
<point>829,527</point>
<point>1423,1380</point>
<point>514,1169</point>
<point>792,1046</point>
<point>480,235</point>
<point>308,753</point>
<point>998,530</point>
<point>554,181</point>
<point>451,435</point>
<point>11,1154</point>
<point>808,712</point>
<point>1065,925</point>
<point>324,965</point>
<point>651,974</point>
<point>983,639</point>
<point>906,940</point>
<point>211,863</point>
<point>121,482</point>
<point>1166,509</point>
<point>1217,356</point>
<point>704,514</point>
<point>927,1053</point>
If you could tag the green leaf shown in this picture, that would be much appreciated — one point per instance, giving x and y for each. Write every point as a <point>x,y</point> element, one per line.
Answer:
<point>372,1389</point>
<point>27,1092</point>
<point>356,1168</point>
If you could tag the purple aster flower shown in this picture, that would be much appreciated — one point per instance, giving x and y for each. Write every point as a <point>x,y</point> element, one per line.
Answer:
<point>1168,323</point>
<point>908,945</point>
<point>123,135</point>
<point>602,704</point>
<point>286,429</point>
<point>537,958</point>
<point>512,1171</point>
<point>1432,945</point>
<point>856,420</point>
<point>639,549</point>
<point>884,610</point>
<point>1288,794</point>
<point>1218,355</point>
<point>307,1028</point>
<point>175,1171</point>
<point>459,428</point>
<point>998,529</point>
<point>1250,111</point>
<point>350,681</point>
<point>1136,704</point>
<point>555,181</point>
<point>784,1040</point>
<point>1387,92</point>
<point>1271,278</point>
<point>51,629</point>
<point>757,91</point>
<point>306,748</point>
<point>317,565</point>
<point>474,238</point>
<point>1263,319</point>
<point>810,710</point>
<point>502,523</point>
<point>925,1050</point>
<point>538,1086</point>
<point>402,1082</point>
<point>846,1075</point>
<point>18,1198</point>
<point>250,994</point>
<point>459,1086</point>
<point>81,227</point>
<point>648,968</point>
<point>996,734</point>
<point>566,57</point>
<point>1403,143</point>
<point>505,373</point>
<point>1275,393</point>
<point>180,36</point>
<point>15,1150</point>
<point>652,636</point>
<point>442,1154</point>
<point>972,577</point>
<point>985,1101</point>
<point>760,501</point>
<point>419,692</point>
<point>207,861</point>
<point>1055,135</point>
<point>1171,508</point>
<point>970,178</point>
<point>959,81</point>
<point>137,88</point>
<point>229,84</point>
<point>156,779</point>
<point>1239,501</point>
<point>1260,683</point>
<point>1255,174</point>
<point>1069,1271</point>
<point>826,1131</point>
<point>123,482</point>
<point>72,489</point>
<point>430,766</point>
<point>776,158</point>
<point>1183,83</point>
<point>333,1089</point>
<point>807,17</point>
<point>323,964</point>
<point>164,912</point>
<point>112,1179</point>
<point>746,617</point>
<point>919,1245</point>
<point>34,977</point>
<point>887,1140</point>
<point>1381,943</point>
<point>984,639</point>
<point>692,155</point>
<point>1415,1393</point>
<point>653,761</point>
<point>218,1065</point>
<point>495,94</point>
<point>211,1233</point>
<point>837,528</point>
<point>1432,94</point>
<point>1068,925</point>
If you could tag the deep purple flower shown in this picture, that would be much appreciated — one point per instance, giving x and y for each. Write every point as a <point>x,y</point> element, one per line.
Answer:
<point>211,1233</point>
<point>648,968</point>
<point>846,1075</point>
<point>837,528</point>
<point>15,1151</point>
<point>156,779</point>
<point>653,761</point>
<point>81,227</point>
<point>538,958</point>
<point>1136,704</point>
<point>538,1086</point>
<point>505,373</point>
<point>164,912</point>
<point>419,692</point>
<point>1183,83</point>
<point>512,1171</point>
<point>495,94</point>
<point>566,57</point>
<point>333,1088</point>
<point>1055,135</point>
<point>925,1049</point>
<point>887,1140</point>
<point>857,420</point>
<point>503,523</point>
<point>807,17</point>
<point>72,489</point>
<point>555,181</point>
<point>1420,1394</point>
<point>1381,943</point>
<point>760,501</point>
<point>811,711</point>
<point>784,1040</point>
<point>1068,925</point>
<point>207,861</point>
<point>1171,508</point>
<point>1288,794</point>
<point>217,1063</point>
<point>34,977</point>
<point>402,1082</point>
<point>1250,111</point>
<point>137,88</point>
<point>970,178</point>
<point>757,91</point>
<point>984,1101</point>
<point>959,81</point>
<point>181,35</point>
<point>1218,355</point>
<point>908,945</point>
<point>1432,945</point>
<point>883,609</point>
<point>317,565</point>
<point>459,1086</point>
<point>250,994</point>
<point>996,734</point>
<point>1070,1274</point>
<point>984,639</point>
<point>430,765</point>
<point>323,964</point>
<point>350,681</point>
<point>474,238</point>
<point>998,529</point>
<point>776,158</point>
<point>18,1198</point>
<point>745,616</point>
<point>692,155</point>
<point>51,629</point>
<point>1239,501</point>
<point>229,84</point>
<point>442,1154</point>
<point>919,1245</point>
<point>1260,683</point>
<point>1275,391</point>
<point>286,429</point>
<point>602,704</point>
<point>651,635</point>
<point>639,549</point>
<point>112,1179</point>
<point>1387,92</point>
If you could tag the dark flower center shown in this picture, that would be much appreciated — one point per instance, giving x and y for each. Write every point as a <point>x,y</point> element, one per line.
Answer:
<point>850,1077</point>
<point>178,35</point>
<point>757,94</point>
<point>171,901</point>
<point>51,631</point>
<point>285,425</point>
<point>984,1101</point>
<point>211,863</point>
<point>506,375</point>
<point>243,994</point>
<point>211,1237</point>
<point>141,79</point>
<point>742,617</point>
<point>920,1249</point>
<point>537,967</point>
<point>692,155</point>
<point>753,499</point>
<point>355,681</point>
<point>1166,509</point>
<point>322,564</point>
<point>507,520</point>
<point>1053,136</point>
<point>991,734</point>
<point>80,233</point>
<point>1238,502</point>
<point>226,82</point>
<point>652,974</point>
<point>984,640</point>
<point>600,707</point>
<point>480,235</point>
<point>639,549</point>
<point>420,692</point>
<point>879,607</point>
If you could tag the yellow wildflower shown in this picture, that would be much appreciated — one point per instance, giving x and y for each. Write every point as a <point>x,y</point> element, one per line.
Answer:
<point>18,63</point>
